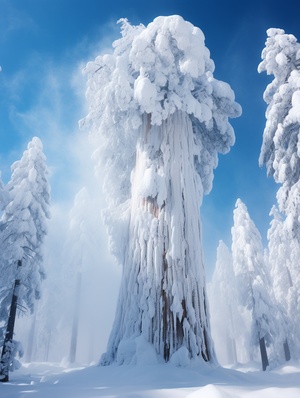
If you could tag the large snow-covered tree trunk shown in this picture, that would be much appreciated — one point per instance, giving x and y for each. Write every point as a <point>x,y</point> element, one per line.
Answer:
<point>163,294</point>
<point>158,120</point>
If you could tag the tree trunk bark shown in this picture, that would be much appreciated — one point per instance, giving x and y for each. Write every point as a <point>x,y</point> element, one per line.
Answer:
<point>263,353</point>
<point>6,350</point>
<point>162,295</point>
<point>286,348</point>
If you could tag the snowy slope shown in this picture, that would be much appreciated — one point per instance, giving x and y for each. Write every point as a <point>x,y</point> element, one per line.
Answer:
<point>164,380</point>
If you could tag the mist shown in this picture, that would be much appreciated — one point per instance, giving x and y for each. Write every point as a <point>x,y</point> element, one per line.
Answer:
<point>58,106</point>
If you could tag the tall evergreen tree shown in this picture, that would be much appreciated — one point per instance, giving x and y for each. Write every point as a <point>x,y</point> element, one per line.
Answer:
<point>253,282</point>
<point>280,154</point>
<point>22,233</point>
<point>158,119</point>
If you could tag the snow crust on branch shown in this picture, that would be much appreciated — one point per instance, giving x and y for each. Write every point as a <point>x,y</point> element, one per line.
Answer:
<point>155,70</point>
<point>159,69</point>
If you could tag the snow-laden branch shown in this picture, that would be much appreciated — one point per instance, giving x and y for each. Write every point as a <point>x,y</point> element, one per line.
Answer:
<point>157,70</point>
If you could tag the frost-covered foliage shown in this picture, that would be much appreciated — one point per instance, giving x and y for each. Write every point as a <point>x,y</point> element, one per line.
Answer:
<point>228,328</point>
<point>256,300</point>
<point>280,153</point>
<point>23,228</point>
<point>283,259</point>
<point>280,148</point>
<point>158,119</point>
<point>9,360</point>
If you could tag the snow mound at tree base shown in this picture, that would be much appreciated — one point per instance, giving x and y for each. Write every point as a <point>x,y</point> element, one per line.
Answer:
<point>138,351</point>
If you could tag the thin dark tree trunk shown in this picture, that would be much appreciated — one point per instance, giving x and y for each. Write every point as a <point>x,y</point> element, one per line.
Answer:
<point>263,353</point>
<point>73,345</point>
<point>6,350</point>
<point>286,348</point>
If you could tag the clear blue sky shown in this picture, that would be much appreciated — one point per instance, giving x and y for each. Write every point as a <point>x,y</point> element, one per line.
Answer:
<point>44,43</point>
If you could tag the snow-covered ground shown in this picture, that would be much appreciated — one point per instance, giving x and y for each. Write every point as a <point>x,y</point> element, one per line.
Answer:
<point>44,380</point>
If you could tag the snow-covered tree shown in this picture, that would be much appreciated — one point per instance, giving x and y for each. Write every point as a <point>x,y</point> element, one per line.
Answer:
<point>158,119</point>
<point>22,233</point>
<point>283,254</point>
<point>280,147</point>
<point>227,324</point>
<point>23,223</point>
<point>253,281</point>
<point>280,154</point>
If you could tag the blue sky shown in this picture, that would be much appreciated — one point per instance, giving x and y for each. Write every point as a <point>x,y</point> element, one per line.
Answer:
<point>45,43</point>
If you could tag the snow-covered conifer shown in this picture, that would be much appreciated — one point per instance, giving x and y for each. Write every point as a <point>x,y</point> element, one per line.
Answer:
<point>279,152</point>
<point>23,223</point>
<point>22,231</point>
<point>158,119</point>
<point>253,280</point>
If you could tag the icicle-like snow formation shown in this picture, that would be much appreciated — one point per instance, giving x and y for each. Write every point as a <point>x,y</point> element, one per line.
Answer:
<point>158,119</point>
